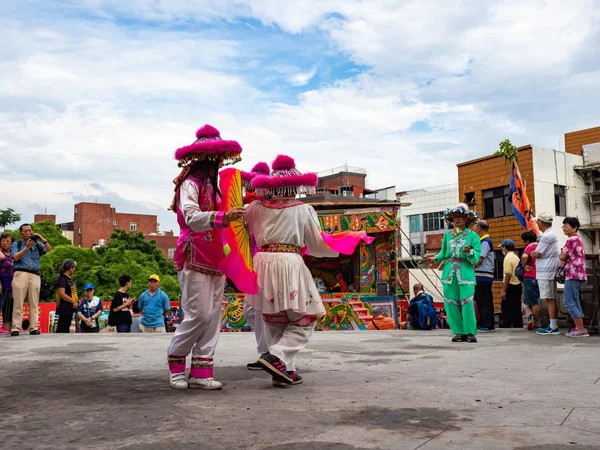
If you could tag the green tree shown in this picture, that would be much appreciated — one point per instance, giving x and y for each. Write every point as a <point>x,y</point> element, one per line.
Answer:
<point>507,150</point>
<point>49,230</point>
<point>8,216</point>
<point>125,240</point>
<point>127,254</point>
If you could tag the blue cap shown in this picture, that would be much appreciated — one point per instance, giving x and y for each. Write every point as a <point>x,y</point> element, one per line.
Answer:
<point>507,243</point>
<point>87,286</point>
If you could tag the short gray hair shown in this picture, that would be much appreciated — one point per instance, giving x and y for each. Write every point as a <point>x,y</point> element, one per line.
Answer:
<point>67,265</point>
<point>377,311</point>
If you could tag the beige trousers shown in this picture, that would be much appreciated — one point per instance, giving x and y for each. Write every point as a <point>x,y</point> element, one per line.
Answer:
<point>25,286</point>
<point>144,329</point>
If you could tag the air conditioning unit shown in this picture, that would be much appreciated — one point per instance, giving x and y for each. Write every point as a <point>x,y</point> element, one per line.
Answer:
<point>591,154</point>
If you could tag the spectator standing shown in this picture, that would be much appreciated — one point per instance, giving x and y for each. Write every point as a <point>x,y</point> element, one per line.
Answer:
<point>6,278</point>
<point>26,254</point>
<point>89,310</point>
<point>531,291</point>
<point>120,307</point>
<point>67,301</point>
<point>572,257</point>
<point>381,321</point>
<point>154,306</point>
<point>484,275</point>
<point>511,288</point>
<point>546,265</point>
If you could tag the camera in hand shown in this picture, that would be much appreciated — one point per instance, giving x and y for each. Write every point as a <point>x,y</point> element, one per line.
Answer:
<point>35,237</point>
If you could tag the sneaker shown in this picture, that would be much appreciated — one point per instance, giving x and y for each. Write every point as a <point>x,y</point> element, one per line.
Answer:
<point>279,382</point>
<point>485,330</point>
<point>471,338</point>
<point>578,332</point>
<point>253,366</point>
<point>35,332</point>
<point>531,322</point>
<point>458,338</point>
<point>275,367</point>
<point>548,330</point>
<point>178,381</point>
<point>204,383</point>
<point>14,333</point>
<point>3,331</point>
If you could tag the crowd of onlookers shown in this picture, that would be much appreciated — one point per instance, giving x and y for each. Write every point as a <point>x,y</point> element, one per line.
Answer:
<point>20,280</point>
<point>532,277</point>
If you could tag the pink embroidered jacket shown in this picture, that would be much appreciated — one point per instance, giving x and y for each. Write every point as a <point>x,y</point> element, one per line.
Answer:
<point>199,247</point>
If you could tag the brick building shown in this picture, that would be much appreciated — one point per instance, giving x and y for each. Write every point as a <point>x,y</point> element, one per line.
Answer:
<point>93,224</point>
<point>552,187</point>
<point>166,242</point>
<point>43,217</point>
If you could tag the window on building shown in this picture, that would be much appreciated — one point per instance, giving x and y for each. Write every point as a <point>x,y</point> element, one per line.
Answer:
<point>433,221</point>
<point>79,230</point>
<point>171,253</point>
<point>495,203</point>
<point>415,223</point>
<point>498,265</point>
<point>469,198</point>
<point>560,200</point>
<point>132,226</point>
<point>417,249</point>
<point>115,223</point>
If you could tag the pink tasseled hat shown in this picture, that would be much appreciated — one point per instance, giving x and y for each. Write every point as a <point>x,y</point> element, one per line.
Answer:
<point>209,145</point>
<point>261,168</point>
<point>285,180</point>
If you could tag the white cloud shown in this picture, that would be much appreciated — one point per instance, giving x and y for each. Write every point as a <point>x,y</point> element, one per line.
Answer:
<point>94,102</point>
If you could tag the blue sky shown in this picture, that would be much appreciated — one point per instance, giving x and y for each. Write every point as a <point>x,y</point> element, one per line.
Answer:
<point>95,95</point>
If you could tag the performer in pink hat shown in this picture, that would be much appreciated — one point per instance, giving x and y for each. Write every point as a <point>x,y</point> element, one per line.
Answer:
<point>197,256</point>
<point>288,298</point>
<point>252,317</point>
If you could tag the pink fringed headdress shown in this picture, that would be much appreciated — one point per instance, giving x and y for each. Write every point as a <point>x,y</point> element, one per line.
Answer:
<point>261,168</point>
<point>209,145</point>
<point>285,180</point>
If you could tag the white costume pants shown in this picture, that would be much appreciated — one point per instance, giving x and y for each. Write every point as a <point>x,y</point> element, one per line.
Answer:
<point>201,297</point>
<point>287,333</point>
<point>255,319</point>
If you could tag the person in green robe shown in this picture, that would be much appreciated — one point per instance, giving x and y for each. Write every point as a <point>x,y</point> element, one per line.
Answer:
<point>460,251</point>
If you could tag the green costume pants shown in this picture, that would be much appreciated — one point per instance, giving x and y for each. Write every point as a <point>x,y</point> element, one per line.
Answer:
<point>461,320</point>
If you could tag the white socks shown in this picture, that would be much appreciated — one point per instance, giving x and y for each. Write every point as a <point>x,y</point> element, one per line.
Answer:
<point>554,324</point>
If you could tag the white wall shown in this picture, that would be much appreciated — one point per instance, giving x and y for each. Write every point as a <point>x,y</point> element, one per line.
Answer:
<point>552,167</point>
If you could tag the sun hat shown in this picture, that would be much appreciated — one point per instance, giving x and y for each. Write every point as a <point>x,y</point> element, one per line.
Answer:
<point>285,180</point>
<point>209,145</point>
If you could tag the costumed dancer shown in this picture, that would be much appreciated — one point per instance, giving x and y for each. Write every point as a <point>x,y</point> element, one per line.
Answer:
<point>197,256</point>
<point>288,298</point>
<point>252,317</point>
<point>460,251</point>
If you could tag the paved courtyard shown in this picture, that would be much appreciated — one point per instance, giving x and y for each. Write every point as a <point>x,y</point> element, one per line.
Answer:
<point>362,390</point>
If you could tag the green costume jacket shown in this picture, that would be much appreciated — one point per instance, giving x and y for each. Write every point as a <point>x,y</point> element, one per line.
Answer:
<point>458,265</point>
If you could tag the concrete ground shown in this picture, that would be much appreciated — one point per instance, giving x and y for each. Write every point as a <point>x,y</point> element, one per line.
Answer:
<point>371,390</point>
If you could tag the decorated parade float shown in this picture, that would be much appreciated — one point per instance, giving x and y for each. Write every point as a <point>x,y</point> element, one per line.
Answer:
<point>350,285</point>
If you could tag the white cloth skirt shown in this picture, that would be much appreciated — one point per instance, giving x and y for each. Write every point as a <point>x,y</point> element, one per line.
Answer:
<point>285,284</point>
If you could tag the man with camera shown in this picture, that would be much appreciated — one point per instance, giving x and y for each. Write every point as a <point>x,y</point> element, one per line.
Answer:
<point>26,254</point>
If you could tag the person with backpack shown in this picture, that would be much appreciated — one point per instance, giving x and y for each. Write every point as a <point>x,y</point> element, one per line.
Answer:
<point>531,290</point>
<point>421,313</point>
